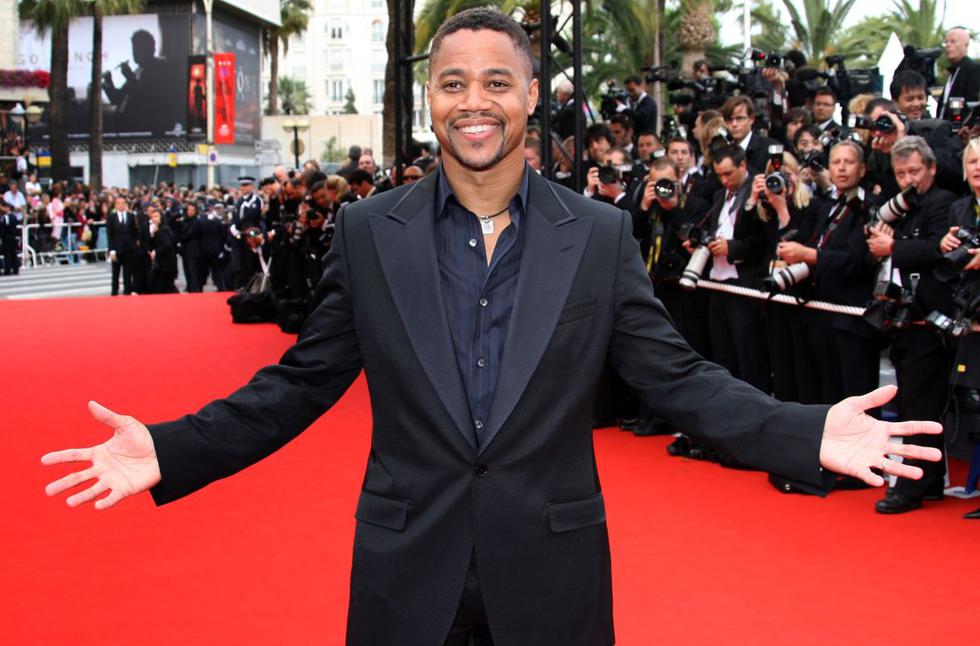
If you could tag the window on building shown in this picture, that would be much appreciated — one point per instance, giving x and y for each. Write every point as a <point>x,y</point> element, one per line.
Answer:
<point>378,91</point>
<point>377,31</point>
<point>377,4</point>
<point>335,30</point>
<point>378,60</point>
<point>335,59</point>
<point>337,90</point>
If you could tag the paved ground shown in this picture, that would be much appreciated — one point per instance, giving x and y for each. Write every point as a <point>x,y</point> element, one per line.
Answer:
<point>64,281</point>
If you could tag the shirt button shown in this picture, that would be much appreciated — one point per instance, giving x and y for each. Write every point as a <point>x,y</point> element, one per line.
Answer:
<point>480,470</point>
<point>481,362</point>
<point>472,242</point>
<point>478,424</point>
<point>483,302</point>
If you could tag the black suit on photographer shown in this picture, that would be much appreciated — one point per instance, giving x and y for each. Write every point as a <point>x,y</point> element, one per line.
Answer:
<point>908,248</point>
<point>846,348</point>
<point>738,257</point>
<point>659,228</point>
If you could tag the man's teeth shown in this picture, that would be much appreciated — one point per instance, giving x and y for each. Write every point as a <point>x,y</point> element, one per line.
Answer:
<point>476,129</point>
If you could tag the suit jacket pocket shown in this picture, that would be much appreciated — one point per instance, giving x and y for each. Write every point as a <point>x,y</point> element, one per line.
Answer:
<point>576,514</point>
<point>577,310</point>
<point>382,511</point>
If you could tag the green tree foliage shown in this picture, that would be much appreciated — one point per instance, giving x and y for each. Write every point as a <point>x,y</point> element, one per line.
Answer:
<point>349,107</point>
<point>814,28</point>
<point>295,19</point>
<point>332,152</point>
<point>294,95</point>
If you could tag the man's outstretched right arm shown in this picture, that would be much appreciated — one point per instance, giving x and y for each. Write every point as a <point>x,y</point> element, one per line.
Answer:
<point>230,434</point>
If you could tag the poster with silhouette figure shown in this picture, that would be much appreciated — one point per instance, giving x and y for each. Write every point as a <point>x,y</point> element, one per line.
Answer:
<point>197,97</point>
<point>144,79</point>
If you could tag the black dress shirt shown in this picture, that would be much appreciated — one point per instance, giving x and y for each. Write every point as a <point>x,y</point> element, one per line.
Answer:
<point>478,298</point>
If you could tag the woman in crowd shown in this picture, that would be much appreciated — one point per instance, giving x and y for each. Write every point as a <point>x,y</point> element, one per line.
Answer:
<point>163,255</point>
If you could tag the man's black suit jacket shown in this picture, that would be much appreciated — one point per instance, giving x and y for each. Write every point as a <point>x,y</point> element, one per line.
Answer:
<point>966,84</point>
<point>122,238</point>
<point>528,505</point>
<point>757,152</point>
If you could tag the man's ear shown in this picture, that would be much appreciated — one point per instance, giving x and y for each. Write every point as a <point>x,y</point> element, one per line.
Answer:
<point>532,95</point>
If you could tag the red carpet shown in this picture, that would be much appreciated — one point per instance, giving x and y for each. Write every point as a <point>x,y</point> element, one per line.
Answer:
<point>701,555</point>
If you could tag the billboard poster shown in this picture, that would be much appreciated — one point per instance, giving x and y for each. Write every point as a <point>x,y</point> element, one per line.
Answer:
<point>144,62</point>
<point>197,97</point>
<point>224,98</point>
<point>233,35</point>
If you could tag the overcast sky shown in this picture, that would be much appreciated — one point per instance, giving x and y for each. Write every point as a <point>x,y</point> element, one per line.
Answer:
<point>958,12</point>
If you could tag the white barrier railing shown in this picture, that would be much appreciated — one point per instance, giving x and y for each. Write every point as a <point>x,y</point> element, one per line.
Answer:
<point>67,243</point>
<point>834,308</point>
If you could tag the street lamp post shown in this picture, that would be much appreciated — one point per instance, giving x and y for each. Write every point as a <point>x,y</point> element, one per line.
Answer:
<point>295,126</point>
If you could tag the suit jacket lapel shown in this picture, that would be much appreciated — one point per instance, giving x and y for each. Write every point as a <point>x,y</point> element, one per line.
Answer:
<point>405,240</point>
<point>552,249</point>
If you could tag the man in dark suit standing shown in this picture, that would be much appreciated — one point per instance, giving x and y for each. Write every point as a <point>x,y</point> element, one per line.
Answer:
<point>964,72</point>
<point>565,123</point>
<point>642,106</point>
<point>122,245</point>
<point>191,252</point>
<point>482,302</point>
<point>739,115</point>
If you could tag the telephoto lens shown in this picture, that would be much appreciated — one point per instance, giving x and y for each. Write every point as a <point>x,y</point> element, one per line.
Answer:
<point>884,125</point>
<point>898,207</point>
<point>695,267</point>
<point>665,188</point>
<point>785,277</point>
<point>859,121</point>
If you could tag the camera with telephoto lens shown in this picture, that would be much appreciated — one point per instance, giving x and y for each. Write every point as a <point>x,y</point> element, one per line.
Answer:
<point>699,239</point>
<point>952,263</point>
<point>784,276</point>
<point>859,121</point>
<point>896,208</point>
<point>891,307</point>
<point>665,188</point>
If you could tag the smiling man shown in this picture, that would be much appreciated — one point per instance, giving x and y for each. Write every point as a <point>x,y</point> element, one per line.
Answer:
<point>482,304</point>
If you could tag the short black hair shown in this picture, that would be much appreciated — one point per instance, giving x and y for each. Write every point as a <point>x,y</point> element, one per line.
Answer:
<point>359,176</point>
<point>622,120</point>
<point>814,131</point>
<point>797,57</point>
<point>598,131</point>
<point>825,90</point>
<point>733,152</point>
<point>882,102</point>
<point>906,79</point>
<point>633,78</point>
<point>485,18</point>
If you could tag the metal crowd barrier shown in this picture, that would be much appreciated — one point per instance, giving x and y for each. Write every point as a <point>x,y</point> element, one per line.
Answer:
<point>67,245</point>
<point>834,308</point>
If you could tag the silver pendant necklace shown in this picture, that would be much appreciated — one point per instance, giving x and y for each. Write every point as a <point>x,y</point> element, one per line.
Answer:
<point>486,221</point>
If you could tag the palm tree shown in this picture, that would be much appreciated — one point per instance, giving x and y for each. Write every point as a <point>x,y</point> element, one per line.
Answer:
<point>697,30</point>
<point>100,8</point>
<point>919,27</point>
<point>56,15</point>
<point>816,26</point>
<point>295,19</point>
<point>294,95</point>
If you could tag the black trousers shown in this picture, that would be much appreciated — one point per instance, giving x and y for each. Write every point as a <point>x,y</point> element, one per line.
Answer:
<point>922,365</point>
<point>123,264</point>
<point>11,263</point>
<point>845,363</point>
<point>689,311</point>
<point>738,338</point>
<point>215,266</point>
<point>470,627</point>
<point>193,269</point>
<point>794,377</point>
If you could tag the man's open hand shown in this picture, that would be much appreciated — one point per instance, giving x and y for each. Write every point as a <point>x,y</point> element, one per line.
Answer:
<point>854,442</point>
<point>124,465</point>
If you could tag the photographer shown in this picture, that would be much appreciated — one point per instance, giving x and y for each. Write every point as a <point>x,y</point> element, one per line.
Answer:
<point>909,91</point>
<point>621,128</point>
<point>964,72</point>
<point>787,208</point>
<point>965,217</point>
<point>609,182</point>
<point>908,249</point>
<point>823,106</point>
<point>809,148</point>
<point>191,248</point>
<point>565,122</point>
<point>845,347</point>
<point>663,214</point>
<point>739,115</point>
<point>162,253</point>
<point>642,107</point>
<point>738,257</point>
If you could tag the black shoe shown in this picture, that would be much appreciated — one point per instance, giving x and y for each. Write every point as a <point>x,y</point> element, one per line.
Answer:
<point>897,503</point>
<point>630,423</point>
<point>973,515</point>
<point>654,427</point>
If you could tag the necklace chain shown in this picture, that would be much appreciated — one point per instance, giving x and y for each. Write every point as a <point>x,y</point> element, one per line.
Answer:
<point>493,215</point>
